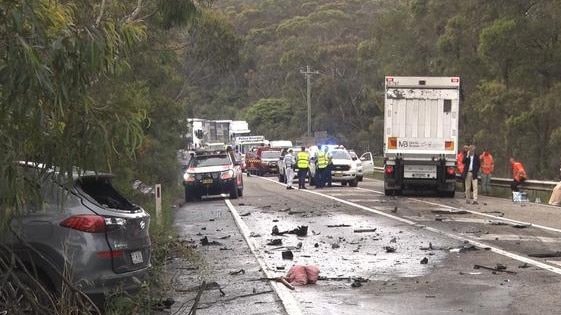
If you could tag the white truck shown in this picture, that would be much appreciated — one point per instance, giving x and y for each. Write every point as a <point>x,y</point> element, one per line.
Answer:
<point>421,134</point>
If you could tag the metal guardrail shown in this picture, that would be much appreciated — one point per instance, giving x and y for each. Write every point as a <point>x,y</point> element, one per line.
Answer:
<point>538,185</point>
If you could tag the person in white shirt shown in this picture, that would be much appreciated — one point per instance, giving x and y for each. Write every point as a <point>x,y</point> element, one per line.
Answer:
<point>289,167</point>
<point>471,171</point>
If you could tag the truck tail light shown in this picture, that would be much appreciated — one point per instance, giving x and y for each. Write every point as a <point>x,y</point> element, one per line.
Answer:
<point>455,80</point>
<point>450,170</point>
<point>106,254</point>
<point>392,142</point>
<point>389,169</point>
<point>389,79</point>
<point>449,145</point>
<point>85,223</point>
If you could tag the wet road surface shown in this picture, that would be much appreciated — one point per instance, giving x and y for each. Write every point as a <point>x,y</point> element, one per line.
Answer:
<point>449,235</point>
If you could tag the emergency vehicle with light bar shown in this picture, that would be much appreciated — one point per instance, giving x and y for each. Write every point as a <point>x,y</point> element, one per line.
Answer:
<point>421,117</point>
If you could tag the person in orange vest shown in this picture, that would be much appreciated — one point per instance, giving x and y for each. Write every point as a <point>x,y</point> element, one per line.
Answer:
<point>460,160</point>
<point>487,167</point>
<point>518,174</point>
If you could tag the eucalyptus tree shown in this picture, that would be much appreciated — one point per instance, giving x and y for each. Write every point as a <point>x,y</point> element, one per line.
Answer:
<point>58,61</point>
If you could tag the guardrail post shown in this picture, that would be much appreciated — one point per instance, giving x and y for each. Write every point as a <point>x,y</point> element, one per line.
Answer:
<point>158,196</point>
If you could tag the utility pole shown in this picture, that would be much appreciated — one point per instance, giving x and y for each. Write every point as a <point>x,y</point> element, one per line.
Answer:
<point>308,73</point>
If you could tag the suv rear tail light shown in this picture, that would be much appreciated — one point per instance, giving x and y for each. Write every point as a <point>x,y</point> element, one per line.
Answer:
<point>389,169</point>
<point>85,223</point>
<point>110,254</point>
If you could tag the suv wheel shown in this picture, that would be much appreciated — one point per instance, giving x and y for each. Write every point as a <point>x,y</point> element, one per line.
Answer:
<point>189,195</point>
<point>234,191</point>
<point>353,183</point>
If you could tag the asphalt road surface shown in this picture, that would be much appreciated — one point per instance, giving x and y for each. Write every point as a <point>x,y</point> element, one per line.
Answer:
<point>378,254</point>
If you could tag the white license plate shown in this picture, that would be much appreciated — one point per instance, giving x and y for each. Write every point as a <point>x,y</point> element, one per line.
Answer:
<point>207,181</point>
<point>338,175</point>
<point>137,257</point>
<point>419,171</point>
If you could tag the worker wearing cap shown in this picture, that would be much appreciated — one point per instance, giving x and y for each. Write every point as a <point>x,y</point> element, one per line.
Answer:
<point>288,166</point>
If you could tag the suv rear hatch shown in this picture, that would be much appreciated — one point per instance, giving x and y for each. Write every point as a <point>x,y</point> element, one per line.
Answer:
<point>126,224</point>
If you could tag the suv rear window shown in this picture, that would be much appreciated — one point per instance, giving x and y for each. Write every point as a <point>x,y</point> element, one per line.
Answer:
<point>209,160</point>
<point>101,190</point>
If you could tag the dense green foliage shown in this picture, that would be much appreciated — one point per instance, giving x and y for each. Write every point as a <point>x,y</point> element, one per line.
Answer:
<point>90,84</point>
<point>508,54</point>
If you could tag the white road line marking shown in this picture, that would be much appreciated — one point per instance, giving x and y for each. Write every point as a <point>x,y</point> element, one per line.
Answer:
<point>450,235</point>
<point>547,228</point>
<point>288,301</point>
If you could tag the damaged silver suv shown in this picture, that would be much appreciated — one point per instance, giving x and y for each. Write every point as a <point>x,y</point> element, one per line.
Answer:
<point>86,230</point>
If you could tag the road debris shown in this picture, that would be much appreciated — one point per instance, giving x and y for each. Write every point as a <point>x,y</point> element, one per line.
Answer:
<point>206,242</point>
<point>357,282</point>
<point>299,231</point>
<point>302,275</point>
<point>394,210</point>
<point>493,222</point>
<point>335,245</point>
<point>499,213</point>
<point>424,261</point>
<point>524,265</point>
<point>521,226</point>
<point>225,237</point>
<point>365,230</point>
<point>235,273</point>
<point>253,234</point>
<point>390,249</point>
<point>545,255</point>
<point>500,268</point>
<point>337,225</point>
<point>245,214</point>
<point>393,240</point>
<point>275,242</point>
<point>288,255</point>
<point>440,211</point>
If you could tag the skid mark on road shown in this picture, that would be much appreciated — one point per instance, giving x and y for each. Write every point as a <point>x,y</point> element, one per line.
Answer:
<point>494,249</point>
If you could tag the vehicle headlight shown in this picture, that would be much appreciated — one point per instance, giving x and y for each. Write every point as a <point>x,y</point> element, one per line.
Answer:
<point>189,177</point>
<point>227,174</point>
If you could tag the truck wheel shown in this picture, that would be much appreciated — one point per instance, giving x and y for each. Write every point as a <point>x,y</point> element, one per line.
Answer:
<point>448,194</point>
<point>343,183</point>
<point>234,192</point>
<point>353,183</point>
<point>388,192</point>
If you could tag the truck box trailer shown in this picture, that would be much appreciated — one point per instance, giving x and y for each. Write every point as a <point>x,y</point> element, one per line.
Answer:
<point>421,117</point>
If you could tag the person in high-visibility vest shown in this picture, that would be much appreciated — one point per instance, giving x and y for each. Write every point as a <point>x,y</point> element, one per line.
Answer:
<point>487,167</point>
<point>303,165</point>
<point>518,174</point>
<point>321,168</point>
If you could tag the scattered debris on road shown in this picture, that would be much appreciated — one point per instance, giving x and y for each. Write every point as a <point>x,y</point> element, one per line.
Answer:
<point>302,275</point>
<point>424,261</point>
<point>357,282</point>
<point>288,255</point>
<point>239,272</point>
<point>500,268</point>
<point>338,225</point>
<point>545,255</point>
<point>394,210</point>
<point>521,226</point>
<point>275,242</point>
<point>440,211</point>
<point>390,249</point>
<point>299,231</point>
<point>206,242</point>
<point>365,230</point>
